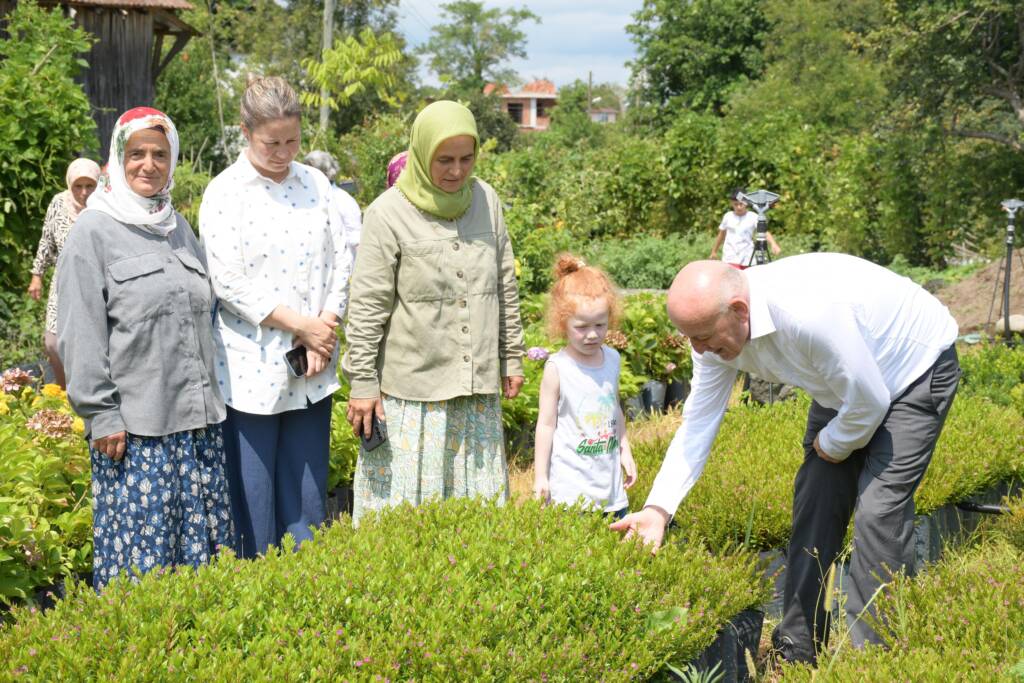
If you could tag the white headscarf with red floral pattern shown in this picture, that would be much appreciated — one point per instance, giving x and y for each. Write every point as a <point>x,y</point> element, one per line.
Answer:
<point>116,198</point>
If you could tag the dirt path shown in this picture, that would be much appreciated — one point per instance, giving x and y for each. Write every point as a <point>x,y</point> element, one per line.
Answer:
<point>970,299</point>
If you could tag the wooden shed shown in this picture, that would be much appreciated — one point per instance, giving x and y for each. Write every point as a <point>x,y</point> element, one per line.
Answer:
<point>127,56</point>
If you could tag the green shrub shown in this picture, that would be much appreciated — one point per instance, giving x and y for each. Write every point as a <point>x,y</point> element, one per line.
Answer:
<point>364,153</point>
<point>22,323</point>
<point>992,371</point>
<point>189,184</point>
<point>648,262</point>
<point>454,590</point>
<point>45,124</point>
<point>748,480</point>
<point>344,447</point>
<point>649,343</point>
<point>45,508</point>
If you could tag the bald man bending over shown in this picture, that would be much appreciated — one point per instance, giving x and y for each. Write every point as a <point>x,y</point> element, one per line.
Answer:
<point>875,352</point>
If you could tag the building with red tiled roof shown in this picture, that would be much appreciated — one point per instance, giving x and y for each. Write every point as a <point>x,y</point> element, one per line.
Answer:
<point>530,105</point>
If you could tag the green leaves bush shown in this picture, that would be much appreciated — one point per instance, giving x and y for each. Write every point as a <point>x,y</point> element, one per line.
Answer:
<point>456,590</point>
<point>748,480</point>
<point>44,125</point>
<point>45,508</point>
<point>993,371</point>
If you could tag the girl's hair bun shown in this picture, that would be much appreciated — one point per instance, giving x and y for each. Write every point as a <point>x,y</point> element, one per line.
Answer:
<point>568,264</point>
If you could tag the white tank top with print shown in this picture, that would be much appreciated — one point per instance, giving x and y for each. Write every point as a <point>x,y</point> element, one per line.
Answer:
<point>585,449</point>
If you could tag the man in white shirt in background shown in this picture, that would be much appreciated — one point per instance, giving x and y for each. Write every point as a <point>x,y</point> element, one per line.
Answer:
<point>875,352</point>
<point>736,231</point>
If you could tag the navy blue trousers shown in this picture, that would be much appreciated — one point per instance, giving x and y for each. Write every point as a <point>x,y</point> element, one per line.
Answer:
<point>277,474</point>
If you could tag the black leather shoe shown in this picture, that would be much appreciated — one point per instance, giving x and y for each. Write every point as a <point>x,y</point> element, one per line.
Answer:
<point>785,650</point>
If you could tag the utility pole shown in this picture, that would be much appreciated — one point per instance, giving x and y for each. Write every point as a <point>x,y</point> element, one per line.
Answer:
<point>590,94</point>
<point>325,110</point>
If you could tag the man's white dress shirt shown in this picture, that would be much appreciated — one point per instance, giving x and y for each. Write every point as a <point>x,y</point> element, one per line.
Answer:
<point>270,244</point>
<point>852,334</point>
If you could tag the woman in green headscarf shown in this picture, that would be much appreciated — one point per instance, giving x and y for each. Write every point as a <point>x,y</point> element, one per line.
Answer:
<point>434,335</point>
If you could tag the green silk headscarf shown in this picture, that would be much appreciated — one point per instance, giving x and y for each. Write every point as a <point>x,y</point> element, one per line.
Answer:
<point>433,125</point>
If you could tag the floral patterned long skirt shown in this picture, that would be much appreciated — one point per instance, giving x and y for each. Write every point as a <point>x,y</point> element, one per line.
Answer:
<point>164,504</point>
<point>438,449</point>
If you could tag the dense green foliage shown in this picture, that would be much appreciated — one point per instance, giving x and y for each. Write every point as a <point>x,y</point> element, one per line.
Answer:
<point>996,372</point>
<point>460,590</point>
<point>45,124</point>
<point>472,43</point>
<point>45,513</point>
<point>693,54</point>
<point>746,490</point>
<point>961,620</point>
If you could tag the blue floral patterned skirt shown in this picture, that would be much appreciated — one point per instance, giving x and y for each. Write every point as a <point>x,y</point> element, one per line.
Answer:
<point>164,504</point>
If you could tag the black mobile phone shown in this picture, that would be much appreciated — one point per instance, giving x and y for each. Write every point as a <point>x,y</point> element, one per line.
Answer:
<point>378,434</point>
<point>296,361</point>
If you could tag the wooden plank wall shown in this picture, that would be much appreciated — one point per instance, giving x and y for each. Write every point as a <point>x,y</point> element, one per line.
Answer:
<point>118,77</point>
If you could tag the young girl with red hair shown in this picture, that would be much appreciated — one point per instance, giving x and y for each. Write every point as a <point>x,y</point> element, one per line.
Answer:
<point>581,445</point>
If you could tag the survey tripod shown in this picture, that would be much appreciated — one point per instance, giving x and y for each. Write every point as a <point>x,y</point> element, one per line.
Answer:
<point>1011,207</point>
<point>760,201</point>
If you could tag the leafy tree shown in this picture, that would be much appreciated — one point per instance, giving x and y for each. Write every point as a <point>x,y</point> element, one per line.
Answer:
<point>694,53</point>
<point>816,65</point>
<point>473,43</point>
<point>187,92</point>
<point>46,123</point>
<point>960,63</point>
<point>571,118</point>
<point>354,66</point>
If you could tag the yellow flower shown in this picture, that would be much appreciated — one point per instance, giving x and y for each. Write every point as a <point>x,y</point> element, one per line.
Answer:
<point>37,401</point>
<point>78,426</point>
<point>53,391</point>
<point>4,408</point>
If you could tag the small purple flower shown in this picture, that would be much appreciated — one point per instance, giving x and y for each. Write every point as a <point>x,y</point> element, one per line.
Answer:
<point>537,353</point>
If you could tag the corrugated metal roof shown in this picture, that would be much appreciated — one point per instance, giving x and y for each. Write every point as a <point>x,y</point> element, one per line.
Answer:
<point>132,4</point>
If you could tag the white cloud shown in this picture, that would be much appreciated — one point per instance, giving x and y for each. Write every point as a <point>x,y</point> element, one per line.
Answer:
<point>574,37</point>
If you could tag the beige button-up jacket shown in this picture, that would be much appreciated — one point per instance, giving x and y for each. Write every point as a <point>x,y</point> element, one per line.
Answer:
<point>434,303</point>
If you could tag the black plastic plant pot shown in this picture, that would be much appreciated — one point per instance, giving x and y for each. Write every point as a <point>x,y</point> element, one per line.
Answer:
<point>727,655</point>
<point>339,501</point>
<point>652,395</point>
<point>676,393</point>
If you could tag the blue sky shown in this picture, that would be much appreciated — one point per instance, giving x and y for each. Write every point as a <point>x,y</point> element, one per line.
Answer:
<point>574,36</point>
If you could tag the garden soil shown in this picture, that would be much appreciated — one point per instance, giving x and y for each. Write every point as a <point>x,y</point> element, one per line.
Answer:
<point>970,299</point>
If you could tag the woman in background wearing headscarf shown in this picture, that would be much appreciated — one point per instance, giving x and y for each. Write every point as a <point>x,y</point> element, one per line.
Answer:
<point>81,178</point>
<point>434,332</point>
<point>134,330</point>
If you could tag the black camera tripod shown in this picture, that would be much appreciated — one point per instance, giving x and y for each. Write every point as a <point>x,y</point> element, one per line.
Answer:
<point>760,201</point>
<point>1011,207</point>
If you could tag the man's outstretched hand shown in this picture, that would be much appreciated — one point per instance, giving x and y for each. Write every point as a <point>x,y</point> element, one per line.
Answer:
<point>649,524</point>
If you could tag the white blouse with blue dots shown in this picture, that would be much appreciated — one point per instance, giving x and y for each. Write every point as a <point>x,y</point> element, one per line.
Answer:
<point>269,244</point>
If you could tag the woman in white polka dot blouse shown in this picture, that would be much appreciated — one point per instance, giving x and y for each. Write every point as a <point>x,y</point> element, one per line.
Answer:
<point>280,269</point>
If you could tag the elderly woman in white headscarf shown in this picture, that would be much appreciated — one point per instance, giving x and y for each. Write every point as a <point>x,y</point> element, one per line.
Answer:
<point>81,178</point>
<point>134,330</point>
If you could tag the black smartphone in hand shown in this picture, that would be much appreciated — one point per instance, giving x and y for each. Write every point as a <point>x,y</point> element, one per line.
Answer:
<point>296,361</point>
<point>378,434</point>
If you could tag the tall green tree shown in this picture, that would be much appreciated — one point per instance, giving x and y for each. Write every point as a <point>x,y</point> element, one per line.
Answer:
<point>45,121</point>
<point>693,53</point>
<point>473,45</point>
<point>960,63</point>
<point>817,65</point>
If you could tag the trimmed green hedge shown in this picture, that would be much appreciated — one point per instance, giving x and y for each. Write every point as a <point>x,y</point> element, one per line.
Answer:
<point>748,480</point>
<point>456,590</point>
<point>963,620</point>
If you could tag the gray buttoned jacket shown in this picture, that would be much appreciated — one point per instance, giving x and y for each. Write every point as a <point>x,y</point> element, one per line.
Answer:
<point>134,329</point>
